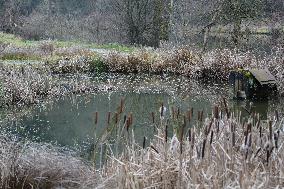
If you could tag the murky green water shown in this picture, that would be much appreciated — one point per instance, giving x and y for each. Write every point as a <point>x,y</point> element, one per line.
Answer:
<point>69,121</point>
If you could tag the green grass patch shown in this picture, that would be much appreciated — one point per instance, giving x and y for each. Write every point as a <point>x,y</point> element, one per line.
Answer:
<point>19,42</point>
<point>15,40</point>
<point>20,56</point>
<point>116,46</point>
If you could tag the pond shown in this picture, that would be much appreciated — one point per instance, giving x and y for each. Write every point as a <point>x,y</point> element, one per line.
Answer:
<point>70,120</point>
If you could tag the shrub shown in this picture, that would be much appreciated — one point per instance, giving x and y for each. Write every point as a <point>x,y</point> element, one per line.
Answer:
<point>97,65</point>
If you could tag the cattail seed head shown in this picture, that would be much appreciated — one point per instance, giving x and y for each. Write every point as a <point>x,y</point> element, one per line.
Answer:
<point>216,112</point>
<point>153,117</point>
<point>116,118</point>
<point>96,118</point>
<point>108,118</point>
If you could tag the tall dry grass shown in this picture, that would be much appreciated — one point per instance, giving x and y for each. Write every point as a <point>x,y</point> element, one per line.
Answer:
<point>31,165</point>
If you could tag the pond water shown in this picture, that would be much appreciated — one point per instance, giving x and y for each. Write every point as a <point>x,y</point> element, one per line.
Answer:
<point>70,120</point>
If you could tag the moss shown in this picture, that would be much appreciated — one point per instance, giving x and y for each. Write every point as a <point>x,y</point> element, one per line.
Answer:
<point>97,65</point>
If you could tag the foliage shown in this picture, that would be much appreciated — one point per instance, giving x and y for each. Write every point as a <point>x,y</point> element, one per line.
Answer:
<point>237,10</point>
<point>98,65</point>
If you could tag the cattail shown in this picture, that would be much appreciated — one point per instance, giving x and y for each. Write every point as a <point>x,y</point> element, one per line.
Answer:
<point>216,112</point>
<point>182,130</point>
<point>267,156</point>
<point>173,112</point>
<point>211,137</point>
<point>189,116</point>
<point>276,115</point>
<point>191,112</point>
<point>121,105</point>
<point>116,118</point>
<point>246,138</point>
<point>178,112</point>
<point>249,140</point>
<point>198,151</point>
<point>270,130</point>
<point>249,128</point>
<point>203,148</point>
<point>189,135</point>
<point>162,110</point>
<point>166,133</point>
<point>232,128</point>
<point>193,139</point>
<point>154,149</point>
<point>259,149</point>
<point>108,118</point>
<point>153,117</point>
<point>226,108</point>
<point>181,134</point>
<point>184,120</point>
<point>124,119</point>
<point>144,142</point>
<point>128,124</point>
<point>96,118</point>
<point>260,131</point>
<point>201,116</point>
<point>276,140</point>
<point>246,155</point>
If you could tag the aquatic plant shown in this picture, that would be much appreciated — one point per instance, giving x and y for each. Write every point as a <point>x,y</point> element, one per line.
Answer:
<point>222,151</point>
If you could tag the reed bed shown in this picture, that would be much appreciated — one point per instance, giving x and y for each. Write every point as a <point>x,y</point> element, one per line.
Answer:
<point>212,65</point>
<point>218,151</point>
<point>188,150</point>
